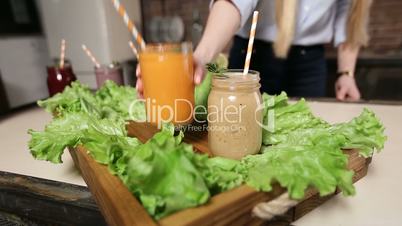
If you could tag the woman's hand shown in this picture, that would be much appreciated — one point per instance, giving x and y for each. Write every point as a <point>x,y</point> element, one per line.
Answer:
<point>138,85</point>
<point>199,66</point>
<point>346,89</point>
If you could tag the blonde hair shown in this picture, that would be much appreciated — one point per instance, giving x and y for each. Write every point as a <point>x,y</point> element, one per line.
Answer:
<point>356,28</point>
<point>357,25</point>
<point>285,22</point>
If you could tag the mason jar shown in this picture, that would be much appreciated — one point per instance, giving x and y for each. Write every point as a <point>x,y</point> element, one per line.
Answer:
<point>113,72</point>
<point>58,77</point>
<point>235,114</point>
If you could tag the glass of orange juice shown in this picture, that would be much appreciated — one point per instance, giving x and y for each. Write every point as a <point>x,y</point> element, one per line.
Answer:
<point>167,76</point>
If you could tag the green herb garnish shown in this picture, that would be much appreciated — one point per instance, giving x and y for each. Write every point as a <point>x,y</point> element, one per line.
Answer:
<point>215,69</point>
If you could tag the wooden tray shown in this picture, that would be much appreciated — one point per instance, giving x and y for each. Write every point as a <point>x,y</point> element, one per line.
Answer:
<point>120,207</point>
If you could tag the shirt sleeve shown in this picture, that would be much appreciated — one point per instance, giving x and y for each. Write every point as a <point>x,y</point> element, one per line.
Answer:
<point>341,17</point>
<point>245,7</point>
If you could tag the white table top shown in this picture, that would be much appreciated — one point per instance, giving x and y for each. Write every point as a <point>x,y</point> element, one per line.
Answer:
<point>14,152</point>
<point>378,200</point>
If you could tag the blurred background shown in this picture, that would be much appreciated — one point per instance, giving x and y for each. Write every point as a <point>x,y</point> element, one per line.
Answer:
<point>31,30</point>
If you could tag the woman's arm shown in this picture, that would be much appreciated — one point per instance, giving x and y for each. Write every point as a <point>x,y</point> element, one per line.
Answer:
<point>223,22</point>
<point>345,87</point>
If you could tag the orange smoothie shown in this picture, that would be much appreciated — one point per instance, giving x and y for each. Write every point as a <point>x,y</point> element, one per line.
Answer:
<point>167,75</point>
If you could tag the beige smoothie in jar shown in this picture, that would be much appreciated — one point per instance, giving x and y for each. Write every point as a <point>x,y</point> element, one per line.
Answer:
<point>235,114</point>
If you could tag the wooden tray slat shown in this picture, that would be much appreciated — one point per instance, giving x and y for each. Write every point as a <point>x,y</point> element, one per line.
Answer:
<point>117,204</point>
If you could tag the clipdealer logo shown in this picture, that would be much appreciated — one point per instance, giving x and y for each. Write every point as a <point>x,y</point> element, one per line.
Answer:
<point>230,114</point>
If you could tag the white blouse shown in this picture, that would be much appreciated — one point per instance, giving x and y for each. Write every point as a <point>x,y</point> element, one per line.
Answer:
<point>318,21</point>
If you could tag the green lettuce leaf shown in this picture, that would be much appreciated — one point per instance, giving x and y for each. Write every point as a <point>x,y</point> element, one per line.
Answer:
<point>112,150</point>
<point>281,118</point>
<point>110,101</point>
<point>201,94</point>
<point>294,124</point>
<point>121,99</point>
<point>320,164</point>
<point>68,131</point>
<point>163,177</point>
<point>74,99</point>
<point>306,151</point>
<point>220,174</point>
<point>365,133</point>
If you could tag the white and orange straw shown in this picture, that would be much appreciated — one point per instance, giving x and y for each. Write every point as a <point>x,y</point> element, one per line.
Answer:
<point>250,43</point>
<point>91,56</point>
<point>135,51</point>
<point>129,23</point>
<point>62,53</point>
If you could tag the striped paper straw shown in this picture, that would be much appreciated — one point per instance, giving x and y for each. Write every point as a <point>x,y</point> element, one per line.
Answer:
<point>250,43</point>
<point>131,44</point>
<point>62,53</point>
<point>130,25</point>
<point>91,56</point>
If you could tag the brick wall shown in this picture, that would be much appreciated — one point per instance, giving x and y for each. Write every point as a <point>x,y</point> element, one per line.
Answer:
<point>385,26</point>
<point>182,8</point>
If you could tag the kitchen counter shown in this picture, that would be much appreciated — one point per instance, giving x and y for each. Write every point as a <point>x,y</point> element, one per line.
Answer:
<point>377,201</point>
<point>14,152</point>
